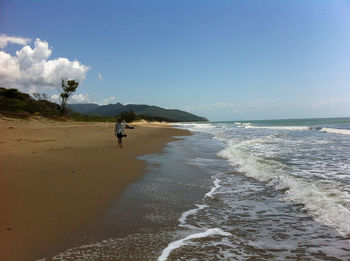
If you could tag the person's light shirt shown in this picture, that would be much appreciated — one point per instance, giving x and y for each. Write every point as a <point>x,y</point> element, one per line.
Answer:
<point>119,128</point>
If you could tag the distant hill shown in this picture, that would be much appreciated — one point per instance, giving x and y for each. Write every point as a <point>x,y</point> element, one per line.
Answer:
<point>14,103</point>
<point>83,108</point>
<point>151,111</point>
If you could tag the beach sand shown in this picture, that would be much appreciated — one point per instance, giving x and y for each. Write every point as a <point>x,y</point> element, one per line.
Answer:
<point>57,177</point>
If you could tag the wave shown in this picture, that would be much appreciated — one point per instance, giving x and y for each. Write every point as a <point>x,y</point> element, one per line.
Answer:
<point>278,127</point>
<point>298,128</point>
<point>325,202</point>
<point>336,131</point>
<point>179,243</point>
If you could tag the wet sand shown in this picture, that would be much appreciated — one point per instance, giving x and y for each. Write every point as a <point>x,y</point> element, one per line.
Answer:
<point>57,177</point>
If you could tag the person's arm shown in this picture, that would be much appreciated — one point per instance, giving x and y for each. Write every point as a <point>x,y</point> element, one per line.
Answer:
<point>116,129</point>
<point>122,128</point>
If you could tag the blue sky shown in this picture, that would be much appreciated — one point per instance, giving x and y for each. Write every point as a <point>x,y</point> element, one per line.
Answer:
<point>225,60</point>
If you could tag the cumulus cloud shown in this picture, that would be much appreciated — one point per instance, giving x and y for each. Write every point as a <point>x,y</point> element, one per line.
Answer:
<point>5,40</point>
<point>100,76</point>
<point>31,70</point>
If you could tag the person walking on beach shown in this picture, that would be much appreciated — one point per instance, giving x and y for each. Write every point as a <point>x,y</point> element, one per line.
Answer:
<point>119,132</point>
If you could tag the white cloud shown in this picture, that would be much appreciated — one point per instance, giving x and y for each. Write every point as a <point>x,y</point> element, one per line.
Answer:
<point>55,98</point>
<point>75,98</point>
<point>5,40</point>
<point>108,100</point>
<point>100,76</point>
<point>9,67</point>
<point>80,98</point>
<point>30,70</point>
<point>83,98</point>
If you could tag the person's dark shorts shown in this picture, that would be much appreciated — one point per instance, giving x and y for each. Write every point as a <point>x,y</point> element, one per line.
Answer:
<point>119,135</point>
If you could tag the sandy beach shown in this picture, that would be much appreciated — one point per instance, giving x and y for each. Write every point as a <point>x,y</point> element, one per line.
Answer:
<point>57,177</point>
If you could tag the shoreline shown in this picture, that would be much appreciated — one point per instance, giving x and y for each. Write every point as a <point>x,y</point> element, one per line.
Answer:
<point>147,216</point>
<point>57,177</point>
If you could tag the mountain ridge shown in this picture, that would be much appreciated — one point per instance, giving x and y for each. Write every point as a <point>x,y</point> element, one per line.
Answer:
<point>138,109</point>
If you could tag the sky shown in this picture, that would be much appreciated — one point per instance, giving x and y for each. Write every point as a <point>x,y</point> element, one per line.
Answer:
<point>224,60</point>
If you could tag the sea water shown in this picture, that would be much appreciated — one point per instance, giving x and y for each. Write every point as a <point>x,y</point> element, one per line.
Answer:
<point>253,190</point>
<point>280,189</point>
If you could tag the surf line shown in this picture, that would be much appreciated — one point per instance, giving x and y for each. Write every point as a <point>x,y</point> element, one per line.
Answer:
<point>190,212</point>
<point>216,186</point>
<point>177,244</point>
<point>208,232</point>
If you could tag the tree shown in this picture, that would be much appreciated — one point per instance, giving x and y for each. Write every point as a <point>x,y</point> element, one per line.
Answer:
<point>67,89</point>
<point>37,96</point>
<point>128,116</point>
<point>40,96</point>
<point>44,96</point>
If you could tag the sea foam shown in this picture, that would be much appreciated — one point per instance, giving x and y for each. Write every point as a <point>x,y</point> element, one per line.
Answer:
<point>212,191</point>
<point>179,243</point>
<point>188,213</point>
<point>326,203</point>
<point>298,128</point>
<point>336,131</point>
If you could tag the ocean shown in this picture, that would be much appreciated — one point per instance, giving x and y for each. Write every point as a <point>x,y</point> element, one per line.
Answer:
<point>249,190</point>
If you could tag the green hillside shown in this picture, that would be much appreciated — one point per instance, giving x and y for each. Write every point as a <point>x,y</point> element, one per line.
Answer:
<point>83,108</point>
<point>139,109</point>
<point>14,103</point>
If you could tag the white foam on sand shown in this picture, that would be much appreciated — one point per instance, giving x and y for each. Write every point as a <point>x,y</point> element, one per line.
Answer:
<point>179,243</point>
<point>212,191</point>
<point>208,232</point>
<point>188,213</point>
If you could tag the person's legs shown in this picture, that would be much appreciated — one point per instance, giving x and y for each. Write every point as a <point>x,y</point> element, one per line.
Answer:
<point>120,142</point>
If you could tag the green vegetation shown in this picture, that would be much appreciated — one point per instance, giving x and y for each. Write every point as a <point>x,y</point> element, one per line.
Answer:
<point>141,111</point>
<point>90,118</point>
<point>14,103</point>
<point>67,89</point>
<point>130,116</point>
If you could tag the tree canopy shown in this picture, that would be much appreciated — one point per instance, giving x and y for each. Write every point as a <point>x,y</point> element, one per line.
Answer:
<point>67,89</point>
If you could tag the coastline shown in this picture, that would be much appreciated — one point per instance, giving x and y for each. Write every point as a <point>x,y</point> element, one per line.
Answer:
<point>57,177</point>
